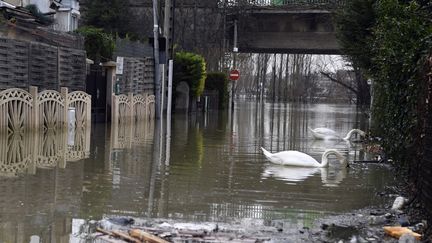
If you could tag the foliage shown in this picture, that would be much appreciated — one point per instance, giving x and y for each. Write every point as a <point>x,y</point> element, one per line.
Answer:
<point>98,44</point>
<point>354,25</point>
<point>390,40</point>
<point>113,16</point>
<point>190,68</point>
<point>34,10</point>
<point>218,81</point>
<point>402,40</point>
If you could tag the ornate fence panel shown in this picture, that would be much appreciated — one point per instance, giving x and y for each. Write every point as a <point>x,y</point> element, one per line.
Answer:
<point>34,129</point>
<point>80,103</point>
<point>51,109</point>
<point>128,114</point>
<point>139,107</point>
<point>122,108</point>
<point>21,110</point>
<point>131,107</point>
<point>16,110</point>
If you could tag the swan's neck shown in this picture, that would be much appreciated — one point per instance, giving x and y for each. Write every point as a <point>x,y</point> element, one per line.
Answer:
<point>350,133</point>
<point>327,153</point>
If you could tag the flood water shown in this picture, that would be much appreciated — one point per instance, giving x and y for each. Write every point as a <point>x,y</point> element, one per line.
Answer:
<point>208,168</point>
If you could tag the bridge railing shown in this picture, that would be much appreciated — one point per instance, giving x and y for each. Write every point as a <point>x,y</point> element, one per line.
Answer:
<point>276,3</point>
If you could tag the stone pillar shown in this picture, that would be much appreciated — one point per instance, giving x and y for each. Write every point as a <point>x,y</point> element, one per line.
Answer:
<point>110,82</point>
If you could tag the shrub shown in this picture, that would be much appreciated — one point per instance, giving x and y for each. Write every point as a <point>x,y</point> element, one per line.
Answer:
<point>98,44</point>
<point>190,68</point>
<point>402,38</point>
<point>113,16</point>
<point>218,81</point>
<point>354,25</point>
<point>390,40</point>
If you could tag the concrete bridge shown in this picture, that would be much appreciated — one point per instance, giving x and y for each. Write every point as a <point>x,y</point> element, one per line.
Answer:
<point>283,26</point>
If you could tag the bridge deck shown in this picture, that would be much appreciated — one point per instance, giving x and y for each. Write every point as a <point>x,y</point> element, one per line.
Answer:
<point>286,31</point>
<point>283,3</point>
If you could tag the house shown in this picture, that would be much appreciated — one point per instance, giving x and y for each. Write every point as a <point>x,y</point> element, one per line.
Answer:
<point>65,12</point>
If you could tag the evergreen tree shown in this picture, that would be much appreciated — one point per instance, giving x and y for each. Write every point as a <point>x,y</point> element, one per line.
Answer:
<point>112,16</point>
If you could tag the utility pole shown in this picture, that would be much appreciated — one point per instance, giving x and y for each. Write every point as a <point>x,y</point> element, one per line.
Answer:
<point>235,50</point>
<point>169,27</point>
<point>274,78</point>
<point>156,59</point>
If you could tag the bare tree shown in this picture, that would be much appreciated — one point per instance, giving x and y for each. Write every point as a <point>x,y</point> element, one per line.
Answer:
<point>348,77</point>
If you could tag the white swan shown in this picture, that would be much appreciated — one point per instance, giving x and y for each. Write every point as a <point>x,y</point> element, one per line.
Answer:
<point>297,158</point>
<point>326,133</point>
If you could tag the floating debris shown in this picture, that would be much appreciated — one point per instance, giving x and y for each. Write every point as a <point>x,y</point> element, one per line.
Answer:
<point>398,231</point>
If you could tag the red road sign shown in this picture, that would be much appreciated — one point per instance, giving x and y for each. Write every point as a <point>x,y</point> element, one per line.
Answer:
<point>234,75</point>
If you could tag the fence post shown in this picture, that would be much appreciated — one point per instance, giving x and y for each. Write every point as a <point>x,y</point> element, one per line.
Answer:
<point>65,126</point>
<point>115,109</point>
<point>88,111</point>
<point>64,94</point>
<point>34,124</point>
<point>131,105</point>
<point>146,106</point>
<point>34,93</point>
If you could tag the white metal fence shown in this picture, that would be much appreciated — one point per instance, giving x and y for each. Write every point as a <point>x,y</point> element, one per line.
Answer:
<point>23,111</point>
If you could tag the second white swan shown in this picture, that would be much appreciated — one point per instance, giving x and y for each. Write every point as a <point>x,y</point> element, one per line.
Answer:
<point>327,133</point>
<point>296,158</point>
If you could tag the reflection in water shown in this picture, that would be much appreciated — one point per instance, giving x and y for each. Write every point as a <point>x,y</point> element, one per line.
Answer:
<point>321,145</point>
<point>129,133</point>
<point>208,167</point>
<point>37,204</point>
<point>330,176</point>
<point>16,153</point>
<point>25,151</point>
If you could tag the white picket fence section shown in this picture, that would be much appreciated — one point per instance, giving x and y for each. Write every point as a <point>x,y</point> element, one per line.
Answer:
<point>22,111</point>
<point>131,107</point>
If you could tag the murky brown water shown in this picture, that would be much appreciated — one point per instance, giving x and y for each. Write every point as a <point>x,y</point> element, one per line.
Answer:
<point>211,169</point>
